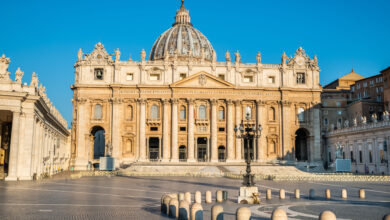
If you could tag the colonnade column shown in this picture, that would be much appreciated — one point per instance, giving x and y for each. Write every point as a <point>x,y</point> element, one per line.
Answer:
<point>230,133</point>
<point>165,128</point>
<point>14,151</point>
<point>214,148</point>
<point>142,122</point>
<point>238,121</point>
<point>174,156</point>
<point>190,135</point>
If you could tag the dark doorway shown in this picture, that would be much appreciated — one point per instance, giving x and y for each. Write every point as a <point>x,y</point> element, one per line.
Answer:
<point>154,144</point>
<point>99,142</point>
<point>301,138</point>
<point>182,153</point>
<point>5,146</point>
<point>221,154</point>
<point>250,148</point>
<point>202,149</point>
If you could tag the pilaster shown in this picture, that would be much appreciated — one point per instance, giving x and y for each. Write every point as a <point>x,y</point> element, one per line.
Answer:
<point>174,150</point>
<point>214,131</point>
<point>190,135</point>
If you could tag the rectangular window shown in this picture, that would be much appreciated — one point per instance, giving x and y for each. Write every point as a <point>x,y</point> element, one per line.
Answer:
<point>221,129</point>
<point>365,84</point>
<point>271,80</point>
<point>248,79</point>
<point>353,88</point>
<point>153,128</point>
<point>338,104</point>
<point>183,76</point>
<point>379,98</point>
<point>183,129</point>
<point>301,78</point>
<point>371,82</point>
<point>360,156</point>
<point>221,76</point>
<point>352,159</point>
<point>155,77</point>
<point>358,86</point>
<point>130,77</point>
<point>370,155</point>
<point>382,156</point>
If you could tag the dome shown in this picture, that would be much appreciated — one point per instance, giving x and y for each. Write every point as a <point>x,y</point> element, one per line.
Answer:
<point>182,40</point>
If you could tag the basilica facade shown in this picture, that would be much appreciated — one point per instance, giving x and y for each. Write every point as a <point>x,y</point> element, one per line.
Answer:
<point>181,105</point>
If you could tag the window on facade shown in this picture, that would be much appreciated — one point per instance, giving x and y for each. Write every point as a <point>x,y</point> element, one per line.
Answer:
<point>248,79</point>
<point>153,128</point>
<point>221,76</point>
<point>130,77</point>
<point>202,112</point>
<point>343,155</point>
<point>352,88</point>
<point>371,82</point>
<point>340,112</point>
<point>155,76</point>
<point>183,76</point>
<point>370,155</point>
<point>154,112</point>
<point>359,96</point>
<point>271,114</point>
<point>385,146</point>
<point>365,94</point>
<point>271,80</point>
<point>325,121</point>
<point>338,104</point>
<point>365,84</point>
<point>379,98</point>
<point>221,113</point>
<point>99,72</point>
<point>129,113</point>
<point>183,112</point>
<point>98,112</point>
<point>248,112</point>
<point>183,129</point>
<point>358,86</point>
<point>382,156</point>
<point>360,156</point>
<point>352,159</point>
<point>301,78</point>
<point>221,129</point>
<point>301,114</point>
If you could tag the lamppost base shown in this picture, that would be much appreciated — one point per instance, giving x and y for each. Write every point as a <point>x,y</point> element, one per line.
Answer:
<point>248,195</point>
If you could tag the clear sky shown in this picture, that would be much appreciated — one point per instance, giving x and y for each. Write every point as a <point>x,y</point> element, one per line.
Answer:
<point>44,36</point>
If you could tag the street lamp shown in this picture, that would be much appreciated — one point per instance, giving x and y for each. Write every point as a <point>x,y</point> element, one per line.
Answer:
<point>248,132</point>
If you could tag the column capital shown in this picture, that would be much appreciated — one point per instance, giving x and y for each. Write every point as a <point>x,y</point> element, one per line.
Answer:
<point>191,101</point>
<point>214,101</point>
<point>260,102</point>
<point>116,100</point>
<point>237,102</point>
<point>229,102</point>
<point>81,100</point>
<point>174,101</point>
<point>286,103</point>
<point>141,100</point>
<point>165,101</point>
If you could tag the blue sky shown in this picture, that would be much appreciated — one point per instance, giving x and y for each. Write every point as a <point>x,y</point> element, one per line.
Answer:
<point>44,36</point>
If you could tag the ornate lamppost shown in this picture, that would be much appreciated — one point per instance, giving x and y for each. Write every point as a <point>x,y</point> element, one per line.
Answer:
<point>248,132</point>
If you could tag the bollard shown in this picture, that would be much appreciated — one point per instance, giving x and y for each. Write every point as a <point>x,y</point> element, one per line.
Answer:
<point>362,194</point>
<point>219,196</point>
<point>217,212</point>
<point>279,214</point>
<point>184,208</point>
<point>187,197</point>
<point>327,215</point>
<point>181,196</point>
<point>173,195</point>
<point>297,194</point>
<point>198,197</point>
<point>243,213</point>
<point>344,194</point>
<point>282,194</point>
<point>196,212</point>
<point>208,197</point>
<point>174,208</point>
<point>269,194</point>
<point>386,217</point>
<point>167,199</point>
<point>327,193</point>
<point>312,194</point>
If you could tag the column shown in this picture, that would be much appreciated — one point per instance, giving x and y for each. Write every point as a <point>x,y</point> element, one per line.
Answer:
<point>230,132</point>
<point>317,132</point>
<point>165,128</point>
<point>142,122</point>
<point>14,151</point>
<point>190,134</point>
<point>26,152</point>
<point>287,148</point>
<point>175,155</point>
<point>238,121</point>
<point>261,141</point>
<point>214,131</point>
<point>115,129</point>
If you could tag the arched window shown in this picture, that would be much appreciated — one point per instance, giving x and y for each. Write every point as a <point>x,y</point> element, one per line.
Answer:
<point>183,113</point>
<point>301,114</point>
<point>248,112</point>
<point>154,112</point>
<point>98,112</point>
<point>129,113</point>
<point>202,112</point>
<point>271,114</point>
<point>221,113</point>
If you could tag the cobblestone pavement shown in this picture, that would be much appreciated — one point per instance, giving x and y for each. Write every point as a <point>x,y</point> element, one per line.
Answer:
<point>139,198</point>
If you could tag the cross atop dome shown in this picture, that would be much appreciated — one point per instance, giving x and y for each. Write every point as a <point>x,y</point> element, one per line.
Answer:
<point>182,15</point>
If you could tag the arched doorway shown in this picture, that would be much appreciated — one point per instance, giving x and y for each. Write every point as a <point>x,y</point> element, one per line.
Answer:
<point>5,142</point>
<point>99,142</point>
<point>202,149</point>
<point>182,153</point>
<point>301,144</point>
<point>154,145</point>
<point>221,154</point>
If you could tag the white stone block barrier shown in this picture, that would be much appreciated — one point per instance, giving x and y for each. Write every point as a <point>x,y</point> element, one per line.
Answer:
<point>282,194</point>
<point>181,196</point>
<point>165,207</point>
<point>184,210</point>
<point>243,213</point>
<point>327,193</point>
<point>362,194</point>
<point>279,214</point>
<point>198,197</point>
<point>312,194</point>
<point>208,197</point>
<point>196,212</point>
<point>327,215</point>
<point>174,208</point>
<point>187,197</point>
<point>269,194</point>
<point>297,194</point>
<point>219,196</point>
<point>344,194</point>
<point>217,212</point>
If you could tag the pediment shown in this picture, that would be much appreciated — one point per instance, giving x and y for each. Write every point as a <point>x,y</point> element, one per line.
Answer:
<point>202,80</point>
